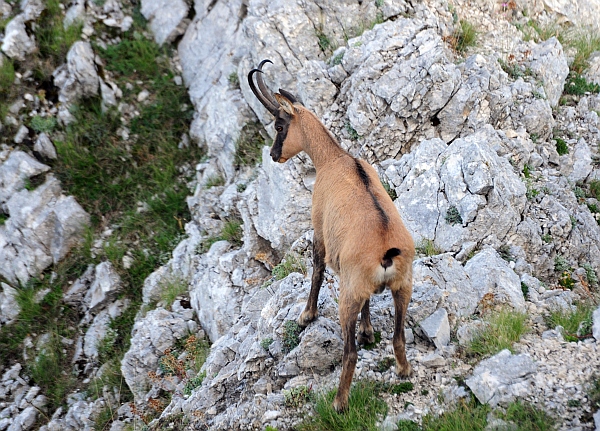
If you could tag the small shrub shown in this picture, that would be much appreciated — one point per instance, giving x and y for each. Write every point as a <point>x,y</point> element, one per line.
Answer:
<point>353,133</point>
<point>385,364</point>
<point>323,41</point>
<point>595,189</point>
<point>561,264</point>
<point>291,335</point>
<point>43,124</point>
<point>234,80</point>
<point>407,425</point>
<point>593,392</point>
<point>266,343</point>
<point>194,383</point>
<point>3,218</point>
<point>504,252</point>
<point>526,171</point>
<point>297,397</point>
<point>561,146</point>
<point>427,247</point>
<point>232,232</point>
<point>531,192</point>
<point>453,216</point>
<point>337,59</point>
<point>514,70</point>
<point>292,262</point>
<point>577,323</point>
<point>365,409</point>
<point>547,238</point>
<point>590,274</point>
<point>503,328</point>
<point>578,85</point>
<point>241,187</point>
<point>524,289</point>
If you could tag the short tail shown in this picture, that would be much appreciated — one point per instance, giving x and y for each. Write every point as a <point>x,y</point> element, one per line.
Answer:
<point>387,261</point>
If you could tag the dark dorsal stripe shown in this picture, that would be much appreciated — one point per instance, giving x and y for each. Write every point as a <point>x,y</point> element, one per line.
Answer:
<point>386,262</point>
<point>362,174</point>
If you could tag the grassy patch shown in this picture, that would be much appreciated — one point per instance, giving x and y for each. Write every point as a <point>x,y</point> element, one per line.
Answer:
<point>232,232</point>
<point>351,132</point>
<point>53,39</point>
<point>292,262</point>
<point>135,57</point>
<point>365,409</point>
<point>248,148</point>
<point>298,396</point>
<point>467,416</point>
<point>578,85</point>
<point>214,181</point>
<point>503,328</point>
<point>427,247</point>
<point>595,188</point>
<point>527,417</point>
<point>171,290</point>
<point>577,323</point>
<point>465,36</point>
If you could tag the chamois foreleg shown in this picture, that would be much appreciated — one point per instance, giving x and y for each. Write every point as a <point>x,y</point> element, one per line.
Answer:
<point>310,311</point>
<point>401,300</point>
<point>365,329</point>
<point>349,308</point>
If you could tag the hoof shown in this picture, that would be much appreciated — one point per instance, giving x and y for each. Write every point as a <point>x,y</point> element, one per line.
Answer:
<point>305,318</point>
<point>340,406</point>
<point>366,337</point>
<point>403,371</point>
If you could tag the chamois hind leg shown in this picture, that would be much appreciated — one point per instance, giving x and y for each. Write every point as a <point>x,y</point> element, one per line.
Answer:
<point>365,329</point>
<point>349,308</point>
<point>310,311</point>
<point>401,300</point>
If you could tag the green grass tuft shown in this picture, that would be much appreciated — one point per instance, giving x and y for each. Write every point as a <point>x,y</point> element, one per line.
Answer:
<point>171,290</point>
<point>292,262</point>
<point>365,409</point>
<point>53,39</point>
<point>527,417</point>
<point>595,189</point>
<point>427,247</point>
<point>453,216</point>
<point>577,323</point>
<point>578,85</point>
<point>134,57</point>
<point>467,416</point>
<point>503,328</point>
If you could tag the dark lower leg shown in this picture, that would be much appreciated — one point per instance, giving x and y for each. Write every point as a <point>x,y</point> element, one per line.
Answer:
<point>310,311</point>
<point>348,317</point>
<point>403,368</point>
<point>365,329</point>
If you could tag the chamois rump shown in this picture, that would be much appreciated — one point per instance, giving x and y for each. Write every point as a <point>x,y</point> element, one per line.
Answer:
<point>357,229</point>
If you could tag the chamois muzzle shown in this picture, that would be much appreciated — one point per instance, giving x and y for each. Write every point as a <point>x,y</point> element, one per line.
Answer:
<point>264,95</point>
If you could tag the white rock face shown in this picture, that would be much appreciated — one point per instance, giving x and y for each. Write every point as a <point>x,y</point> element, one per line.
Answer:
<point>596,324</point>
<point>17,43</point>
<point>44,146</point>
<point>9,308</point>
<point>550,64</point>
<point>165,18</point>
<point>437,328</point>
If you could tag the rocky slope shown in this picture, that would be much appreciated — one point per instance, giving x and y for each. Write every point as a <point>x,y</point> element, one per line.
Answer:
<point>492,167</point>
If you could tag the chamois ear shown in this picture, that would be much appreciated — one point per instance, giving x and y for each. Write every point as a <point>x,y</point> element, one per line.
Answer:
<point>285,104</point>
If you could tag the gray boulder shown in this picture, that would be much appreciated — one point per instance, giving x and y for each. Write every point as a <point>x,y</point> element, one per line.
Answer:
<point>17,43</point>
<point>45,147</point>
<point>104,288</point>
<point>151,336</point>
<point>502,378</point>
<point>14,172</point>
<point>43,225</point>
<point>9,307</point>
<point>165,17</point>
<point>549,63</point>
<point>437,328</point>
<point>596,324</point>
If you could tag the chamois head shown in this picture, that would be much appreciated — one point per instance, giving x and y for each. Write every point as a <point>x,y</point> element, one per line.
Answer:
<point>283,107</point>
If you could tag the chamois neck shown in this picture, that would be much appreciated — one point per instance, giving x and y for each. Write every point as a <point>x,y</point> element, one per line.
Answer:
<point>318,142</point>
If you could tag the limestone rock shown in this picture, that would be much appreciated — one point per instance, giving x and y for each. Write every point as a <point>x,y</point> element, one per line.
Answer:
<point>45,147</point>
<point>9,308</point>
<point>165,17</point>
<point>104,288</point>
<point>502,378</point>
<point>437,328</point>
<point>17,43</point>
<point>596,324</point>
<point>151,337</point>
<point>550,64</point>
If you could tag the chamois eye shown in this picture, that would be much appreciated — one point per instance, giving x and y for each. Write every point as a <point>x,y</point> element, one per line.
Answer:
<point>279,128</point>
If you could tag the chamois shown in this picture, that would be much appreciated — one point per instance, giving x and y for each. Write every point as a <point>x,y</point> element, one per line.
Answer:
<point>358,231</point>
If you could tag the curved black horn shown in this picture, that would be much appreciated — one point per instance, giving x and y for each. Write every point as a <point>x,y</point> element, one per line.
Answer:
<point>264,96</point>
